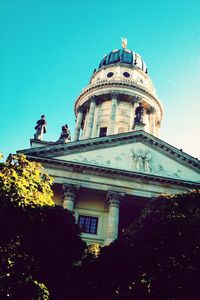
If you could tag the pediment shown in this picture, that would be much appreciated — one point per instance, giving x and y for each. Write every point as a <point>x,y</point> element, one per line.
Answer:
<point>135,157</point>
<point>136,151</point>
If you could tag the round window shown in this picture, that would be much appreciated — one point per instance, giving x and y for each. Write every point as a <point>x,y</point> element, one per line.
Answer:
<point>126,74</point>
<point>110,74</point>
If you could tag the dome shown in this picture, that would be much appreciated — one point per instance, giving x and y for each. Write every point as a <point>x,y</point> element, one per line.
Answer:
<point>123,56</point>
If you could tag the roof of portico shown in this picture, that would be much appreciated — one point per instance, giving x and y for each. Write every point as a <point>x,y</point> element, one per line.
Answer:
<point>55,150</point>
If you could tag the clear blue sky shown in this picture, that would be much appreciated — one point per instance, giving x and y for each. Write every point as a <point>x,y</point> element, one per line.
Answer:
<point>49,48</point>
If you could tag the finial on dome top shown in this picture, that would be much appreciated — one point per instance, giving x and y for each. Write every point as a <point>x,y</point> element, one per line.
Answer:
<point>124,43</point>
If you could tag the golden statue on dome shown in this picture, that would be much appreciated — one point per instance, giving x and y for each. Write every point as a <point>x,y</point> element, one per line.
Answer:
<point>124,43</point>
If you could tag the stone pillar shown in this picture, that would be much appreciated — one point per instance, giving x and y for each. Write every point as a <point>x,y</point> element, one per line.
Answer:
<point>157,129</point>
<point>113,199</point>
<point>96,118</point>
<point>111,125</point>
<point>90,118</point>
<point>69,195</point>
<point>78,124</point>
<point>85,124</point>
<point>153,121</point>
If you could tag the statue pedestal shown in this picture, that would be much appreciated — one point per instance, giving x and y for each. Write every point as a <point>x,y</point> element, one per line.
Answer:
<point>139,126</point>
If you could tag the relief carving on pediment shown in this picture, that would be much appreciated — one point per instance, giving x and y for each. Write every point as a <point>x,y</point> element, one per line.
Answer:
<point>132,159</point>
<point>98,160</point>
<point>163,171</point>
<point>141,160</point>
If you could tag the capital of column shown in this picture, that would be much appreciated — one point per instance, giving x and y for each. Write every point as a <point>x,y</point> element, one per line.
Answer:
<point>115,96</point>
<point>113,198</point>
<point>93,98</point>
<point>98,101</point>
<point>80,109</point>
<point>70,191</point>
<point>136,99</point>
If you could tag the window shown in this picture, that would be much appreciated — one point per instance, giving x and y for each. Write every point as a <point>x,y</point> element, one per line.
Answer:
<point>88,224</point>
<point>126,74</point>
<point>113,57</point>
<point>110,74</point>
<point>103,62</point>
<point>127,58</point>
<point>103,131</point>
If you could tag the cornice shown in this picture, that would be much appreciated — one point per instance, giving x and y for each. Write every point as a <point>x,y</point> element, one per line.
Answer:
<point>116,84</point>
<point>84,168</point>
<point>115,140</point>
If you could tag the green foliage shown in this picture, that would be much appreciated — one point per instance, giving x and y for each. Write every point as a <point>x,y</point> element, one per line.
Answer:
<point>23,183</point>
<point>39,242</point>
<point>17,268</point>
<point>157,258</point>
<point>43,293</point>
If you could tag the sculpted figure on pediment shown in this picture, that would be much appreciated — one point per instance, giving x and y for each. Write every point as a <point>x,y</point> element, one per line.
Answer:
<point>97,160</point>
<point>147,161</point>
<point>163,171</point>
<point>141,160</point>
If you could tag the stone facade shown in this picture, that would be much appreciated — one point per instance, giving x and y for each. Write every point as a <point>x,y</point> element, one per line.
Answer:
<point>114,165</point>
<point>117,99</point>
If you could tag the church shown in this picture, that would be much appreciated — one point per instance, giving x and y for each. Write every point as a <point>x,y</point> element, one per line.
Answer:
<point>116,161</point>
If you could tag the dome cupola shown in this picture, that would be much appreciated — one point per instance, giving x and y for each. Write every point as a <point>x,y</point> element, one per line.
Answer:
<point>108,105</point>
<point>123,56</point>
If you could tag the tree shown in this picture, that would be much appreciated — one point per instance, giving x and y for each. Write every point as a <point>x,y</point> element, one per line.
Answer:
<point>158,256</point>
<point>39,241</point>
<point>22,183</point>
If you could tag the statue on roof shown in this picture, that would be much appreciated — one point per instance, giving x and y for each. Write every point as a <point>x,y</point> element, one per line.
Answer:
<point>65,135</point>
<point>40,128</point>
<point>124,43</point>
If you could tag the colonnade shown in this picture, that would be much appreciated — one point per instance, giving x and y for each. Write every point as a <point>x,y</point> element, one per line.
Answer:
<point>113,200</point>
<point>93,115</point>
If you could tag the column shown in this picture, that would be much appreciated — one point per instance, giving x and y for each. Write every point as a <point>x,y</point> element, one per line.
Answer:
<point>153,121</point>
<point>113,199</point>
<point>69,195</point>
<point>96,119</point>
<point>78,124</point>
<point>157,129</point>
<point>85,124</point>
<point>90,118</point>
<point>111,125</point>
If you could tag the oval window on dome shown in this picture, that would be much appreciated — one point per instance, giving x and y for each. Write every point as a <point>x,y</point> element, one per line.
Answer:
<point>110,74</point>
<point>126,74</point>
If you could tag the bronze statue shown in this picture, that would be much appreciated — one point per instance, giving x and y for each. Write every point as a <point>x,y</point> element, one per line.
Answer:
<point>139,113</point>
<point>65,135</point>
<point>40,128</point>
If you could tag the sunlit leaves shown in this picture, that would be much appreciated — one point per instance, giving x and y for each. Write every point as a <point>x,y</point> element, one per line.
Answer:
<point>24,184</point>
